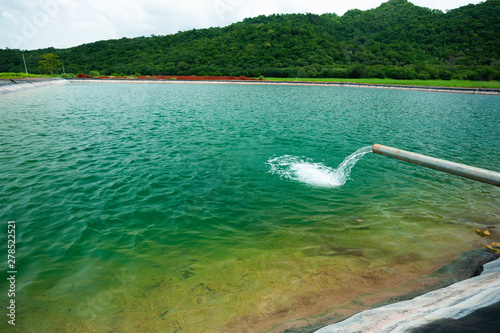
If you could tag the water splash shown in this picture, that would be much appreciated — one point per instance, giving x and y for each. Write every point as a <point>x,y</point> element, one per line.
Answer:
<point>317,174</point>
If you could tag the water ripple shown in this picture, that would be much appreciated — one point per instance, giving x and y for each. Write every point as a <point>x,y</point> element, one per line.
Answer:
<point>144,203</point>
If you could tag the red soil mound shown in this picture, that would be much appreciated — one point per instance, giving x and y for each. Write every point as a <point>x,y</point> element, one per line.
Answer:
<point>198,78</point>
<point>183,78</point>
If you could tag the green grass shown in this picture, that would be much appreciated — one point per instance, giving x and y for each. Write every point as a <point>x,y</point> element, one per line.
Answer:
<point>21,75</point>
<point>438,83</point>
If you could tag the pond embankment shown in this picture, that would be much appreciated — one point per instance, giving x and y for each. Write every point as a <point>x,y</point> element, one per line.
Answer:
<point>460,90</point>
<point>243,80</point>
<point>466,305</point>
<point>13,85</point>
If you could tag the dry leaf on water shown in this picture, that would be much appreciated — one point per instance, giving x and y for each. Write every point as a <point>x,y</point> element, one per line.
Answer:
<point>494,247</point>
<point>483,233</point>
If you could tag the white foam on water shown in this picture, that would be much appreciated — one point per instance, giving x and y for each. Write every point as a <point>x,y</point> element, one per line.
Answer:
<point>304,170</point>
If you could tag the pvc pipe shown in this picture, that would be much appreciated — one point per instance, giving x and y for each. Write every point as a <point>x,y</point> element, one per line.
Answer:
<point>482,175</point>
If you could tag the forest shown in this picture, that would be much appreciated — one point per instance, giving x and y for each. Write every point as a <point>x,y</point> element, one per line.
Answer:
<point>396,40</point>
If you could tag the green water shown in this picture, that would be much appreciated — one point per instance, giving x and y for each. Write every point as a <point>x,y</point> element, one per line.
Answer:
<point>154,207</point>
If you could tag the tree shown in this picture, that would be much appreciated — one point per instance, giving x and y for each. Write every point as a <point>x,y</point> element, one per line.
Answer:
<point>49,63</point>
<point>395,40</point>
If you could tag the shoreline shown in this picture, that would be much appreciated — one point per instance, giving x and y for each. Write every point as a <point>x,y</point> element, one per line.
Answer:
<point>14,85</point>
<point>463,304</point>
<point>467,268</point>
<point>460,90</point>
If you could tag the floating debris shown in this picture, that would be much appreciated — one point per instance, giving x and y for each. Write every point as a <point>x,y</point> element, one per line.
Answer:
<point>483,233</point>
<point>494,247</point>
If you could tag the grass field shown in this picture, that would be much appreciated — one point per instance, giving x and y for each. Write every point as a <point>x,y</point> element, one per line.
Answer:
<point>438,83</point>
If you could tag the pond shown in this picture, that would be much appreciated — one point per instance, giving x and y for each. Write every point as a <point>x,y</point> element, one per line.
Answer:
<point>218,207</point>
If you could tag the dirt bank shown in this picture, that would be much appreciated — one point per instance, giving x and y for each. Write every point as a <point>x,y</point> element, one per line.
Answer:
<point>245,80</point>
<point>172,77</point>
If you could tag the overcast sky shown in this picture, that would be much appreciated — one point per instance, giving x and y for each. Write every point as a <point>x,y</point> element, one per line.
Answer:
<point>33,24</point>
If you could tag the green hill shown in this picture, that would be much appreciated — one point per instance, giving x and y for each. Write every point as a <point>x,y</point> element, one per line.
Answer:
<point>396,40</point>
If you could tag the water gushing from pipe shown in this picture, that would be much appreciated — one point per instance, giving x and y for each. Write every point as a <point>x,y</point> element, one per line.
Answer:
<point>304,170</point>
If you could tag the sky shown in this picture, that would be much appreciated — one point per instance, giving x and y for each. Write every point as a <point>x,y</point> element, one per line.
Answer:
<point>34,24</point>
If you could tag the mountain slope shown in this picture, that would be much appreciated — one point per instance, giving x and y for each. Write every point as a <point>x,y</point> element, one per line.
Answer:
<point>397,39</point>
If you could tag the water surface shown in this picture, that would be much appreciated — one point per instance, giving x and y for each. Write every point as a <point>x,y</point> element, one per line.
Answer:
<point>190,207</point>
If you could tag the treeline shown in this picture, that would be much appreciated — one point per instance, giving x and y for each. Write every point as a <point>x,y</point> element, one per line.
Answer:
<point>396,40</point>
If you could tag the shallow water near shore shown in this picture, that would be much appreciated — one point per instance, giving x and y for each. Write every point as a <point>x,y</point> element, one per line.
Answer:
<point>190,208</point>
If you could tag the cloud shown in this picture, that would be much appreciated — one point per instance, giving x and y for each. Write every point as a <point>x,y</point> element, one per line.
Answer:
<point>8,16</point>
<point>31,24</point>
<point>443,4</point>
